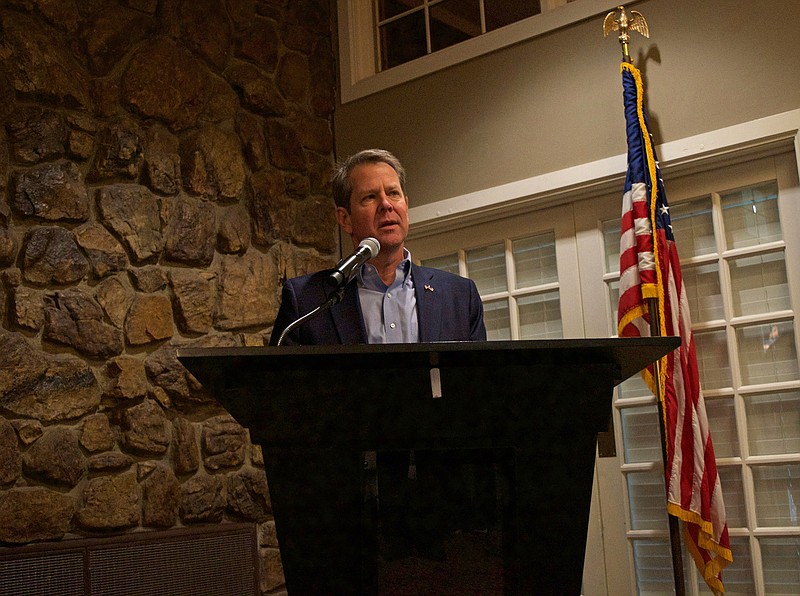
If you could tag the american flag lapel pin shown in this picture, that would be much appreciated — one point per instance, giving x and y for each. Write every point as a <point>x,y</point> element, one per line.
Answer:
<point>428,288</point>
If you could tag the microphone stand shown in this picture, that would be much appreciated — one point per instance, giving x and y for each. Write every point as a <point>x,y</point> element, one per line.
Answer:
<point>334,298</point>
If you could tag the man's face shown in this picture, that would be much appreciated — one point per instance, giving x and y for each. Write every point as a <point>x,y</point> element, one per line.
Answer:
<point>378,206</point>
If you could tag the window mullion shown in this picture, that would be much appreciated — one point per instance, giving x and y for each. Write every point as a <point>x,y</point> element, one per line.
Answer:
<point>511,283</point>
<point>428,43</point>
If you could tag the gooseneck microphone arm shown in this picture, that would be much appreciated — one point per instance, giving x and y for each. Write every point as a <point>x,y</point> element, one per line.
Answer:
<point>333,285</point>
<point>333,299</point>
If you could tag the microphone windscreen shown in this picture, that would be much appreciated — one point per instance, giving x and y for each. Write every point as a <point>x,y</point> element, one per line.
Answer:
<point>373,245</point>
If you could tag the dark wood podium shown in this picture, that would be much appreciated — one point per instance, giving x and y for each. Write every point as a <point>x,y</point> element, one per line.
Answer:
<point>316,410</point>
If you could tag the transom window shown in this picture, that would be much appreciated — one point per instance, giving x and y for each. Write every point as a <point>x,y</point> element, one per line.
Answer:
<point>383,43</point>
<point>410,29</point>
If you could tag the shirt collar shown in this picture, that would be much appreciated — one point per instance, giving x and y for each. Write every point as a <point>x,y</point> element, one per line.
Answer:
<point>368,275</point>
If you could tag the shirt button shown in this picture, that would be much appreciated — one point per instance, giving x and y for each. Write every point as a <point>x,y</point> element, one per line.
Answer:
<point>389,294</point>
<point>392,325</point>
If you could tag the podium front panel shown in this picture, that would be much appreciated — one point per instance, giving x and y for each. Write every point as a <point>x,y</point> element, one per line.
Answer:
<point>535,407</point>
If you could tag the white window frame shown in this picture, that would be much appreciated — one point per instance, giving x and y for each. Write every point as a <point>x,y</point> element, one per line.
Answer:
<point>358,70</point>
<point>558,220</point>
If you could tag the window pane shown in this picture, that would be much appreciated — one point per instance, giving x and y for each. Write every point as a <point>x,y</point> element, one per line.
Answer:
<point>652,561</point>
<point>758,284</point>
<point>487,268</point>
<point>540,316</point>
<point>495,316</point>
<point>750,216</point>
<point>613,300</point>
<point>773,423</point>
<point>722,422</point>
<point>777,490</point>
<point>445,263</point>
<point>712,359</point>
<point>693,227</point>
<point>730,478</point>
<point>647,496</point>
<point>703,292</point>
<point>767,353</point>
<point>535,260</point>
<point>500,13</point>
<point>403,40</point>
<point>633,387</point>
<point>640,434</point>
<point>738,576</point>
<point>611,231</point>
<point>391,8</point>
<point>454,21</point>
<point>781,559</point>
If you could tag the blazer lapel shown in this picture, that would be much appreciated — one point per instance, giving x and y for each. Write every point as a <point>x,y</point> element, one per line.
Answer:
<point>429,304</point>
<point>347,317</point>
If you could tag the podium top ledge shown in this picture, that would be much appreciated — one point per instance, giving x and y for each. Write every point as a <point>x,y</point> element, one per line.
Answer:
<point>629,354</point>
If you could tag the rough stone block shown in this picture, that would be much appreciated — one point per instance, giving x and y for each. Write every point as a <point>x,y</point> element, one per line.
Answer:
<point>110,503</point>
<point>30,514</point>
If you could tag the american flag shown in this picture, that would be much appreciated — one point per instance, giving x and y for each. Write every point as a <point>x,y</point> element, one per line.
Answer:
<point>649,269</point>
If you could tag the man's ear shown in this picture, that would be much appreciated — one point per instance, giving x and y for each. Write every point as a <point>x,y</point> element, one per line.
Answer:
<point>343,219</point>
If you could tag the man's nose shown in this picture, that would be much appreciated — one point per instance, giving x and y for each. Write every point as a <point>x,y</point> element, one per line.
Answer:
<point>385,204</point>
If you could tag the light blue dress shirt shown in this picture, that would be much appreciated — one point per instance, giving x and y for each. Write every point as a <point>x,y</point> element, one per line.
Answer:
<point>390,313</point>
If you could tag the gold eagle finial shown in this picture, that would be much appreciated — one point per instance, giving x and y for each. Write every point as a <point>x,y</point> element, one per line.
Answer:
<point>623,24</point>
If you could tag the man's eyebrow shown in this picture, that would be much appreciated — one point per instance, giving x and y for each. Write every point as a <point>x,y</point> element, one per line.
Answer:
<point>394,186</point>
<point>371,190</point>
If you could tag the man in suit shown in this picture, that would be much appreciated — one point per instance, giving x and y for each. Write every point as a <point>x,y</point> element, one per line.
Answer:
<point>391,300</point>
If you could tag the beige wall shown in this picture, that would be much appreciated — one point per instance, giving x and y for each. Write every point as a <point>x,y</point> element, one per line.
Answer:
<point>555,102</point>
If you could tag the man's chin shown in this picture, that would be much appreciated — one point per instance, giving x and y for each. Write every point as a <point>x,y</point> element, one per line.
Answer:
<point>390,241</point>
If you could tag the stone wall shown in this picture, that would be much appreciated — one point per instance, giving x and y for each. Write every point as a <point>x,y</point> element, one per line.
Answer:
<point>164,164</point>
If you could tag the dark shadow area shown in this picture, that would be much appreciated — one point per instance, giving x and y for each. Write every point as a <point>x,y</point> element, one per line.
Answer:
<point>442,520</point>
<point>653,54</point>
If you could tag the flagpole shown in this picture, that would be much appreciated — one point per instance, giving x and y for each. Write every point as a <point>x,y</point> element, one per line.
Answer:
<point>620,22</point>
<point>674,527</point>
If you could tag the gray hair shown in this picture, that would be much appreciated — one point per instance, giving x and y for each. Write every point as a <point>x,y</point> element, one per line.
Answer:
<point>342,188</point>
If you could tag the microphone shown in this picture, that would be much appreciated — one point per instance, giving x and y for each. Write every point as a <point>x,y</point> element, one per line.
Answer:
<point>334,284</point>
<point>347,268</point>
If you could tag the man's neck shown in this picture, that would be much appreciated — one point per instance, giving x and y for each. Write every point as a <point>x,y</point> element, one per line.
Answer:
<point>386,264</point>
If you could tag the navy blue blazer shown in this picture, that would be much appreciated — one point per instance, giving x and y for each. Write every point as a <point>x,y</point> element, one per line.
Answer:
<point>448,309</point>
